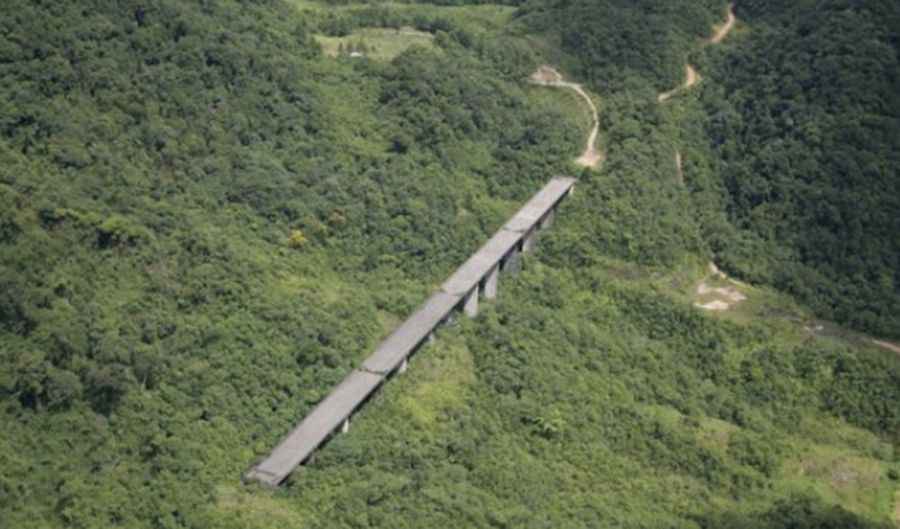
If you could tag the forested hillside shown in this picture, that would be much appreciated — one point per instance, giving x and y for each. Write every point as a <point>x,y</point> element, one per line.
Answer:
<point>206,222</point>
<point>804,121</point>
<point>619,44</point>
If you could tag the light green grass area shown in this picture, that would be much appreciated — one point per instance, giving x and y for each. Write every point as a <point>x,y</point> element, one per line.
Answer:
<point>841,475</point>
<point>443,374</point>
<point>382,44</point>
<point>486,17</point>
<point>253,509</point>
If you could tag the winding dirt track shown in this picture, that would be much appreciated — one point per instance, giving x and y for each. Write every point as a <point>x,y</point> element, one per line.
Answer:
<point>724,29</point>
<point>691,75</point>
<point>691,78</point>
<point>890,347</point>
<point>548,76</point>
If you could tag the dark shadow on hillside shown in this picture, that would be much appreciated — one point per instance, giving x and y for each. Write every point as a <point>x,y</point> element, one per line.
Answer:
<point>798,512</point>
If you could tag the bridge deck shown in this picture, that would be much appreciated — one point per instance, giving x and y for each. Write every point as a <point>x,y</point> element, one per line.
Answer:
<point>328,415</point>
<point>315,428</point>
<point>477,267</point>
<point>540,204</point>
<point>410,333</point>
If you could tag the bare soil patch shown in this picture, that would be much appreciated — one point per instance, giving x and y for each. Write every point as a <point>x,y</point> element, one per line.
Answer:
<point>715,298</point>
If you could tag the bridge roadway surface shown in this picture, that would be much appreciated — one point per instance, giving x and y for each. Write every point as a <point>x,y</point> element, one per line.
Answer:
<point>335,409</point>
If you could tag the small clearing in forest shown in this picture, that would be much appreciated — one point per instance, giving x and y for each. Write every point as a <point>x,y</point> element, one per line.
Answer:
<point>717,298</point>
<point>382,44</point>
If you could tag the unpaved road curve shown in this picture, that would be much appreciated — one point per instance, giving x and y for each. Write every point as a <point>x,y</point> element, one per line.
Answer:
<point>691,75</point>
<point>548,76</point>
<point>691,78</point>
<point>891,347</point>
<point>724,29</point>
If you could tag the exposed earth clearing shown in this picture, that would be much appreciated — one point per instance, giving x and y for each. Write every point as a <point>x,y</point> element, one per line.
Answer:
<point>717,298</point>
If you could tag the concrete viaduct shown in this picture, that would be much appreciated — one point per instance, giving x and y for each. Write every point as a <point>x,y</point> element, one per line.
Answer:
<point>477,276</point>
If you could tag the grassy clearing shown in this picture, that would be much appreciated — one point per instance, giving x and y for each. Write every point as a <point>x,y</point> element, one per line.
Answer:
<point>841,476</point>
<point>253,509</point>
<point>442,375</point>
<point>714,434</point>
<point>381,44</point>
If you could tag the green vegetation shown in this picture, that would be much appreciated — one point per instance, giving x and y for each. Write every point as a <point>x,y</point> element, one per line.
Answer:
<point>803,121</point>
<point>205,222</point>
<point>375,43</point>
<point>621,45</point>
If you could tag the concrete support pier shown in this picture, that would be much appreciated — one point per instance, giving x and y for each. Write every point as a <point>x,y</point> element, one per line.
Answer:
<point>345,426</point>
<point>548,219</point>
<point>529,241</point>
<point>471,304</point>
<point>490,282</point>
<point>404,365</point>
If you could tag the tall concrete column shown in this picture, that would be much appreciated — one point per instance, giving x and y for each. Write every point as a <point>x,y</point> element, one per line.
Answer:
<point>345,426</point>
<point>511,263</point>
<point>404,365</point>
<point>471,304</point>
<point>490,283</point>
<point>530,240</point>
<point>548,219</point>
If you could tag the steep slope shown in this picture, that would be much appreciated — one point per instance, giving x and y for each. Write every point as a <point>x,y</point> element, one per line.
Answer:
<point>803,121</point>
<point>206,223</point>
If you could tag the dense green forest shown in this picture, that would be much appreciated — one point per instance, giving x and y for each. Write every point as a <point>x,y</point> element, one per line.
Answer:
<point>804,124</point>
<point>205,223</point>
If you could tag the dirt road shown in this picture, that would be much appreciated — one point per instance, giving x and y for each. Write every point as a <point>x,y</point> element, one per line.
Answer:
<point>548,76</point>
<point>691,78</point>
<point>679,166</point>
<point>691,75</point>
<point>723,30</point>
<point>889,346</point>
